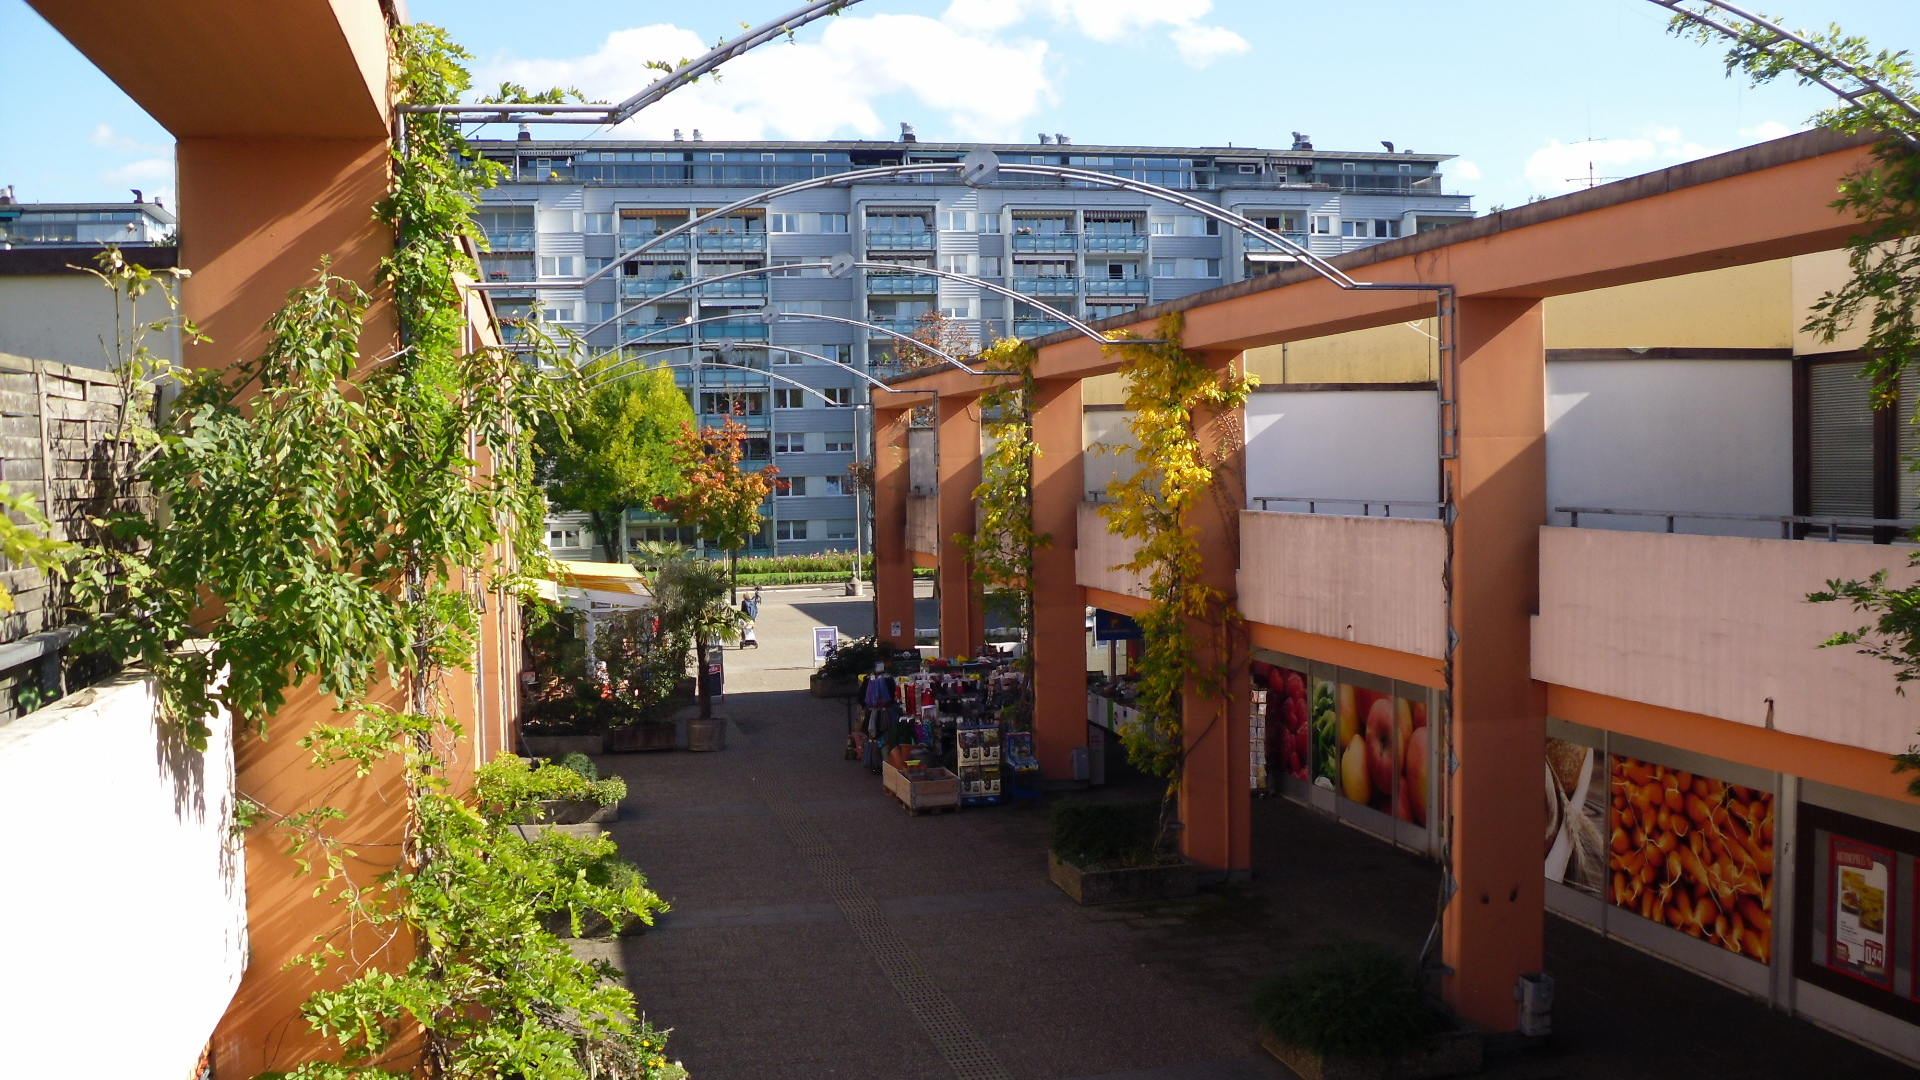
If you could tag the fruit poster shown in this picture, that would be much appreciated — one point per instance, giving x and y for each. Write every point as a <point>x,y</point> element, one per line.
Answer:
<point>1288,712</point>
<point>1694,853</point>
<point>1381,747</point>
<point>1861,880</point>
<point>1576,835</point>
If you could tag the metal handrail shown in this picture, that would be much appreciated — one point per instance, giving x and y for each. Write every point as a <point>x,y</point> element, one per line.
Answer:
<point>1832,525</point>
<point>1366,505</point>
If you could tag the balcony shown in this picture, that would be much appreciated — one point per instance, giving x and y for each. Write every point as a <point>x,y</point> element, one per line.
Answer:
<point>1253,245</point>
<point>732,242</point>
<point>1099,551</point>
<point>631,240</point>
<point>1115,245</point>
<point>923,524</point>
<point>898,326</point>
<point>1046,286</point>
<point>1372,580</point>
<point>1720,626</point>
<point>642,287</point>
<point>744,329</point>
<point>903,284</point>
<point>521,269</point>
<point>1032,328</point>
<point>900,241</point>
<point>1055,243</point>
<point>509,239</point>
<point>658,333</point>
<point>750,288</point>
<point>1135,287</point>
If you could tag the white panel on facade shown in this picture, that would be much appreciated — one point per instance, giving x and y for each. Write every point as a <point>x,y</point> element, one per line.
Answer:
<point>1380,445</point>
<point>1704,435</point>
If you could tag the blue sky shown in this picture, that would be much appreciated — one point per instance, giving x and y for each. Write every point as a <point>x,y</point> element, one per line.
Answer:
<point>1527,100</point>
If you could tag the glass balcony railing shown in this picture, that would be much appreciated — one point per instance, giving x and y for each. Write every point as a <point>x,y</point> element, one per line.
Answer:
<point>507,269</point>
<point>1116,286</point>
<point>750,241</point>
<point>910,284</point>
<point>510,239</point>
<point>633,286</point>
<point>1117,245</point>
<point>898,326</point>
<point>1028,328</point>
<point>658,333</point>
<point>1046,242</point>
<point>735,289</point>
<point>734,330</point>
<point>1255,244</point>
<point>900,241</point>
<point>1046,286</point>
<point>631,240</point>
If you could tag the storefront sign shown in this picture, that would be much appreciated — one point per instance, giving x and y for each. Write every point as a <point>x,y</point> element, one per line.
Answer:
<point>825,640</point>
<point>1859,939</point>
<point>1111,626</point>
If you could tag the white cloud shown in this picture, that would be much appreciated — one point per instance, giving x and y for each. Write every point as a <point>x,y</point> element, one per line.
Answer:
<point>1462,169</point>
<point>143,169</point>
<point>977,78</point>
<point>1559,167</point>
<point>105,136</point>
<point>1767,130</point>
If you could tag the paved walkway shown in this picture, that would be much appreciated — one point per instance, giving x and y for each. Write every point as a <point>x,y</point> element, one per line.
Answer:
<point>819,931</point>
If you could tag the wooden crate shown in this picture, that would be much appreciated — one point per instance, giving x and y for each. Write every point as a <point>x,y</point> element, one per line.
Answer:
<point>939,791</point>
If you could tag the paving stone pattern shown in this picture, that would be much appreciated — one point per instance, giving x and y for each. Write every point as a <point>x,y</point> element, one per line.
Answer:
<point>820,931</point>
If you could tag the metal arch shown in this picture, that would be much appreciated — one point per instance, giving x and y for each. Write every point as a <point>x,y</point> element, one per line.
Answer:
<point>1854,96</point>
<point>681,75</point>
<point>916,342</point>
<point>696,364</point>
<point>1001,290</point>
<point>623,361</point>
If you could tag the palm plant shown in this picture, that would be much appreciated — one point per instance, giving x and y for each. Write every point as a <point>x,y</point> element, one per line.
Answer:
<point>691,595</point>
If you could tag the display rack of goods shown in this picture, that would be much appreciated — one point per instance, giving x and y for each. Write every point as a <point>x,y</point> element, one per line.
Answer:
<point>978,755</point>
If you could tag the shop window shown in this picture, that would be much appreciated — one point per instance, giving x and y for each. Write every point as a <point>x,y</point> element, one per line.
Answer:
<point>1860,892</point>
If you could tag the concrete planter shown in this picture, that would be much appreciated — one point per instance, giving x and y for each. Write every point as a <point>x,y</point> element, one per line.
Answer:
<point>635,737</point>
<point>1162,882</point>
<point>821,686</point>
<point>709,734</point>
<point>559,746</point>
<point>1450,1053</point>
<point>592,925</point>
<point>577,812</point>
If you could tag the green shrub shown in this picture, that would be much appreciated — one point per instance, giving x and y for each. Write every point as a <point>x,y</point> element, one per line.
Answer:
<point>1355,998</point>
<point>508,785</point>
<point>1089,833</point>
<point>853,659</point>
<point>582,764</point>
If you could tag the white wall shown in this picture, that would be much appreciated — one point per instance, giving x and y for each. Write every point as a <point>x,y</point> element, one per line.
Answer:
<point>1705,435</point>
<point>1110,444</point>
<point>125,897</point>
<point>64,318</point>
<point>1347,444</point>
<point>923,459</point>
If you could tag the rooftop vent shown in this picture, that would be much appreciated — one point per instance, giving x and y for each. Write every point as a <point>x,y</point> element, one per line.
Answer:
<point>526,135</point>
<point>1302,142</point>
<point>696,134</point>
<point>906,133</point>
<point>1062,139</point>
<point>136,194</point>
<point>1046,139</point>
<point>1387,144</point>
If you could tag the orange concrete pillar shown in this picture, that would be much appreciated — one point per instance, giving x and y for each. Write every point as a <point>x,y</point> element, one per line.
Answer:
<point>892,564</point>
<point>1216,791</point>
<point>963,621</point>
<point>1493,927</point>
<point>1059,604</point>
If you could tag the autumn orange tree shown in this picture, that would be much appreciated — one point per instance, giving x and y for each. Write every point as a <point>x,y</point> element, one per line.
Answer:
<point>719,497</point>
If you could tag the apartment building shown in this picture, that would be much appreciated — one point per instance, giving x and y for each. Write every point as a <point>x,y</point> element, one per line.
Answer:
<point>568,211</point>
<point>51,311</point>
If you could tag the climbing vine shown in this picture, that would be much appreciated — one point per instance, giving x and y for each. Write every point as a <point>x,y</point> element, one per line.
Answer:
<point>1002,549</point>
<point>1169,392</point>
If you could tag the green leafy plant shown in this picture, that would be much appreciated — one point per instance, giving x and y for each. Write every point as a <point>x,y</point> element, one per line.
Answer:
<point>1091,833</point>
<point>852,659</point>
<point>691,598</point>
<point>719,498</point>
<point>1168,392</point>
<point>617,451</point>
<point>1355,999</point>
<point>508,785</point>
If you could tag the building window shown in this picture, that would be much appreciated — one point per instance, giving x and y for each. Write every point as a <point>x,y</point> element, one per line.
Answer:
<point>754,448</point>
<point>839,396</point>
<point>789,399</point>
<point>783,358</point>
<point>600,311</point>
<point>599,223</point>
<point>733,403</point>
<point>989,266</point>
<point>1210,266</point>
<point>1161,227</point>
<point>1386,228</point>
<point>839,485</point>
<point>789,442</point>
<point>789,530</point>
<point>988,223</point>
<point>956,264</point>
<point>1322,225</point>
<point>784,223</point>
<point>833,223</point>
<point>839,530</point>
<point>563,538</point>
<point>1165,267</point>
<point>566,311</point>
<point>798,266</point>
<point>962,311</point>
<point>839,354</point>
<point>559,266</point>
<point>838,444</point>
<point>789,486</point>
<point>1211,228</point>
<point>955,221</point>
